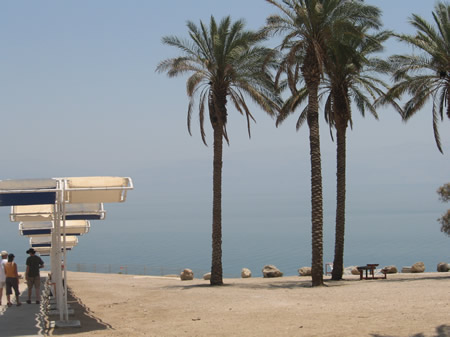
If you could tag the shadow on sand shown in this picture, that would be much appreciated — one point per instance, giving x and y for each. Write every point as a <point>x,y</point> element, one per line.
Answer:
<point>279,283</point>
<point>81,313</point>
<point>441,331</point>
<point>444,278</point>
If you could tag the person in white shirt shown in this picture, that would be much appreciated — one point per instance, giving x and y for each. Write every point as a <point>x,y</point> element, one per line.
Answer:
<point>2,273</point>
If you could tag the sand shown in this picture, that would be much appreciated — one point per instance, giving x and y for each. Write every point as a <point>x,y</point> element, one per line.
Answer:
<point>126,305</point>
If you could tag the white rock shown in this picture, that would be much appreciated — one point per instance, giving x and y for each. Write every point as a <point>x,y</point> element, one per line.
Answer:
<point>443,267</point>
<point>418,267</point>
<point>187,275</point>
<point>304,271</point>
<point>271,271</point>
<point>348,270</point>
<point>355,271</point>
<point>246,273</point>
<point>390,269</point>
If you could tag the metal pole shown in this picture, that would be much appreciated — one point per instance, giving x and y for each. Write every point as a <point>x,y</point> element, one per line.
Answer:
<point>53,255</point>
<point>63,206</point>
<point>58,279</point>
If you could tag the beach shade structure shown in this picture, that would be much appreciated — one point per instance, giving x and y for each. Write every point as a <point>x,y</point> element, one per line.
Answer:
<point>27,213</point>
<point>96,189</point>
<point>45,228</point>
<point>60,193</point>
<point>46,251</point>
<point>43,251</point>
<point>27,192</point>
<point>90,190</point>
<point>74,190</point>
<point>46,241</point>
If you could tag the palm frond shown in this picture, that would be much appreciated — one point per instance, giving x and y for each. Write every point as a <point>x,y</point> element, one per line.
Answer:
<point>302,118</point>
<point>201,112</point>
<point>437,138</point>
<point>223,59</point>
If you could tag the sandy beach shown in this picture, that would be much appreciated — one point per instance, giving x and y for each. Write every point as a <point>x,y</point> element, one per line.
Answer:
<point>131,305</point>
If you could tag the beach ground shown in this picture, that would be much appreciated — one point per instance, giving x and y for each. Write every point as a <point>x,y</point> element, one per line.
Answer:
<point>129,305</point>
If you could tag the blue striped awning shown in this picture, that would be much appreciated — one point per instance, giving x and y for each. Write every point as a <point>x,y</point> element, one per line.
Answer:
<point>27,192</point>
<point>46,228</point>
<point>46,241</point>
<point>26,213</point>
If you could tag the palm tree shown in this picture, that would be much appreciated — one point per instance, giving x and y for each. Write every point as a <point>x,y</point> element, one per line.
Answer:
<point>351,74</point>
<point>425,76</point>
<point>308,27</point>
<point>225,62</point>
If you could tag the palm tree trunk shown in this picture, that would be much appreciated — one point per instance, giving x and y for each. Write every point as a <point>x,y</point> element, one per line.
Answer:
<point>448,102</point>
<point>216,263</point>
<point>316,187</point>
<point>338,262</point>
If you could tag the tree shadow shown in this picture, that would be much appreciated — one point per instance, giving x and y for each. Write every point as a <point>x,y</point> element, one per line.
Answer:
<point>88,322</point>
<point>269,284</point>
<point>441,331</point>
<point>412,279</point>
<point>279,283</point>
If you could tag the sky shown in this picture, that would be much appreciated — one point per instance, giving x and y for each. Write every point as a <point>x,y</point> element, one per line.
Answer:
<point>79,96</point>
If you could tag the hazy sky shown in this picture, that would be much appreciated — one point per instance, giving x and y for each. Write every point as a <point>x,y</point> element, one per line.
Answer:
<point>79,96</point>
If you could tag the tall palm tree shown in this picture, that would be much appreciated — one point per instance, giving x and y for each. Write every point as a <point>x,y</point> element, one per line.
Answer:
<point>225,63</point>
<point>427,75</point>
<point>351,74</point>
<point>308,27</point>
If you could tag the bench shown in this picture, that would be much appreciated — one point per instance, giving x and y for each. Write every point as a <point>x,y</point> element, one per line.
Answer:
<point>370,268</point>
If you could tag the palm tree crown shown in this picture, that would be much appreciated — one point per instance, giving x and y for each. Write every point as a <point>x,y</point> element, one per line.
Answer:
<point>427,75</point>
<point>352,74</point>
<point>224,61</point>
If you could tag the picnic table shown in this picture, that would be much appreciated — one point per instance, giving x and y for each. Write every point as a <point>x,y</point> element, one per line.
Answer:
<point>369,268</point>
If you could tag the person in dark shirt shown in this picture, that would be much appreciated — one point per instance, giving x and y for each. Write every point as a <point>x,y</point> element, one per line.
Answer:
<point>32,275</point>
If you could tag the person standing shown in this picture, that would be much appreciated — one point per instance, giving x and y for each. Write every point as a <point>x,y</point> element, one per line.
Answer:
<point>4,259</point>
<point>12,280</point>
<point>32,275</point>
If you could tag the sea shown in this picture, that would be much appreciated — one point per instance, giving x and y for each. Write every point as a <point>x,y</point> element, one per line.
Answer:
<point>164,235</point>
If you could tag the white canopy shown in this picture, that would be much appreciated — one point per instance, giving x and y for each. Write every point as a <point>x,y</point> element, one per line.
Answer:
<point>27,185</point>
<point>45,251</point>
<point>46,212</point>
<point>96,189</point>
<point>27,192</point>
<point>77,190</point>
<point>45,228</point>
<point>46,241</point>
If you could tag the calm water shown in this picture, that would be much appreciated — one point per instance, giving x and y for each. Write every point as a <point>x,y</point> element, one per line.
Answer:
<point>164,237</point>
<point>287,246</point>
